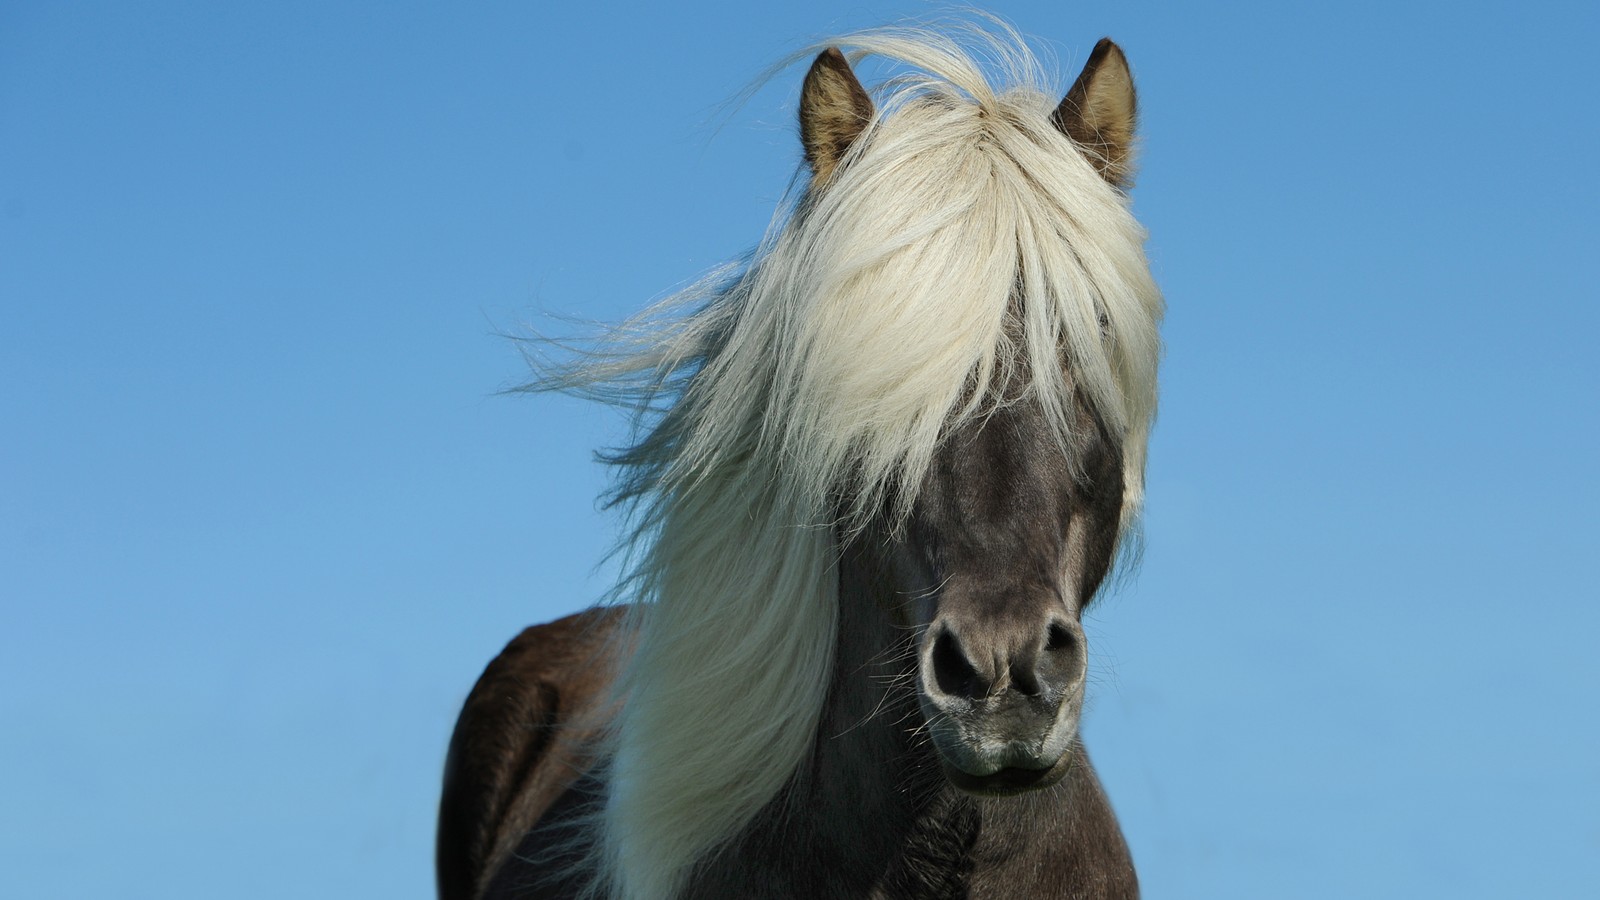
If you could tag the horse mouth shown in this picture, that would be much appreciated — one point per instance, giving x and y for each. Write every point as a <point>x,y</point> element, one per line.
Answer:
<point>1007,781</point>
<point>987,759</point>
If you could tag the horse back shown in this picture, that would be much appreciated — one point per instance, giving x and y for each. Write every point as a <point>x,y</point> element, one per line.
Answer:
<point>520,742</point>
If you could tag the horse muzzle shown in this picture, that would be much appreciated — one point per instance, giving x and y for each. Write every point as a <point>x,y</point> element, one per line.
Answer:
<point>1002,704</point>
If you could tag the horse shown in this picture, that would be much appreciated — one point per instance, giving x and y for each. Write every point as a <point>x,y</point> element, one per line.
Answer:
<point>881,468</point>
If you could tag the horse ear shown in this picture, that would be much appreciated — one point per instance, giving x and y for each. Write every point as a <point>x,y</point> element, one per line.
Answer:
<point>834,110</point>
<point>1100,112</point>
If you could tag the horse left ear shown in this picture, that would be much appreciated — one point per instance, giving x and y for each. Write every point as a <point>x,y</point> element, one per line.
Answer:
<point>1100,113</point>
<point>834,110</point>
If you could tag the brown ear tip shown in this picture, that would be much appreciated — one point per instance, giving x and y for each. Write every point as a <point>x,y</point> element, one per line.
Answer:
<point>832,57</point>
<point>1104,48</point>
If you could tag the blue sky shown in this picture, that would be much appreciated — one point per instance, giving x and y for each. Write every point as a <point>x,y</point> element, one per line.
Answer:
<point>263,517</point>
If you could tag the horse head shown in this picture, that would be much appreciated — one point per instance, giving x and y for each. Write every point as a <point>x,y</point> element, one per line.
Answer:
<point>1014,521</point>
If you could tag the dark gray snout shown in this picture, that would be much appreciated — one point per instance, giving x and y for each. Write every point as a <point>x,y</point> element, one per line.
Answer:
<point>1002,692</point>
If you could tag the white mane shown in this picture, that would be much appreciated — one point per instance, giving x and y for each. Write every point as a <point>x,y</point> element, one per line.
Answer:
<point>827,367</point>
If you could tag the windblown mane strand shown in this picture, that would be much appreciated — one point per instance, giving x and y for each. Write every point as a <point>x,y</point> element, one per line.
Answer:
<point>876,316</point>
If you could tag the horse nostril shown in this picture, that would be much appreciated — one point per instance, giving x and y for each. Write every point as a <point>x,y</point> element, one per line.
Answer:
<point>1058,638</point>
<point>953,674</point>
<point>1025,681</point>
<point>1060,663</point>
<point>1032,674</point>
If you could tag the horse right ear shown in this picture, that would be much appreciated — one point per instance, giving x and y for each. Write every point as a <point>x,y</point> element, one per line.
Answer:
<point>1101,111</point>
<point>834,110</point>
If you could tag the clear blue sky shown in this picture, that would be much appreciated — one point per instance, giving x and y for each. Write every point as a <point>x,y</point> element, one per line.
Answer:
<point>263,517</point>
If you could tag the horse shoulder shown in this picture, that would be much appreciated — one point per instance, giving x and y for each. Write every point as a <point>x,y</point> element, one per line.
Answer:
<point>520,742</point>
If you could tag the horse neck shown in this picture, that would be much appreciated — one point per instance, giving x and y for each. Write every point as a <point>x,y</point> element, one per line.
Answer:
<point>868,744</point>
<point>871,788</point>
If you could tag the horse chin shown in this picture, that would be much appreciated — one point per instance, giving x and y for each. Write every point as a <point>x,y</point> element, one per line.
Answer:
<point>1004,772</point>
<point>1006,782</point>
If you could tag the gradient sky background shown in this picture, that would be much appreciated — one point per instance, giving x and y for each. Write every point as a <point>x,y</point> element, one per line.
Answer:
<point>263,517</point>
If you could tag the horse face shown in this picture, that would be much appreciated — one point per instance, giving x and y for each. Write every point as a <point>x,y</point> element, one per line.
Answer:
<point>1009,539</point>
